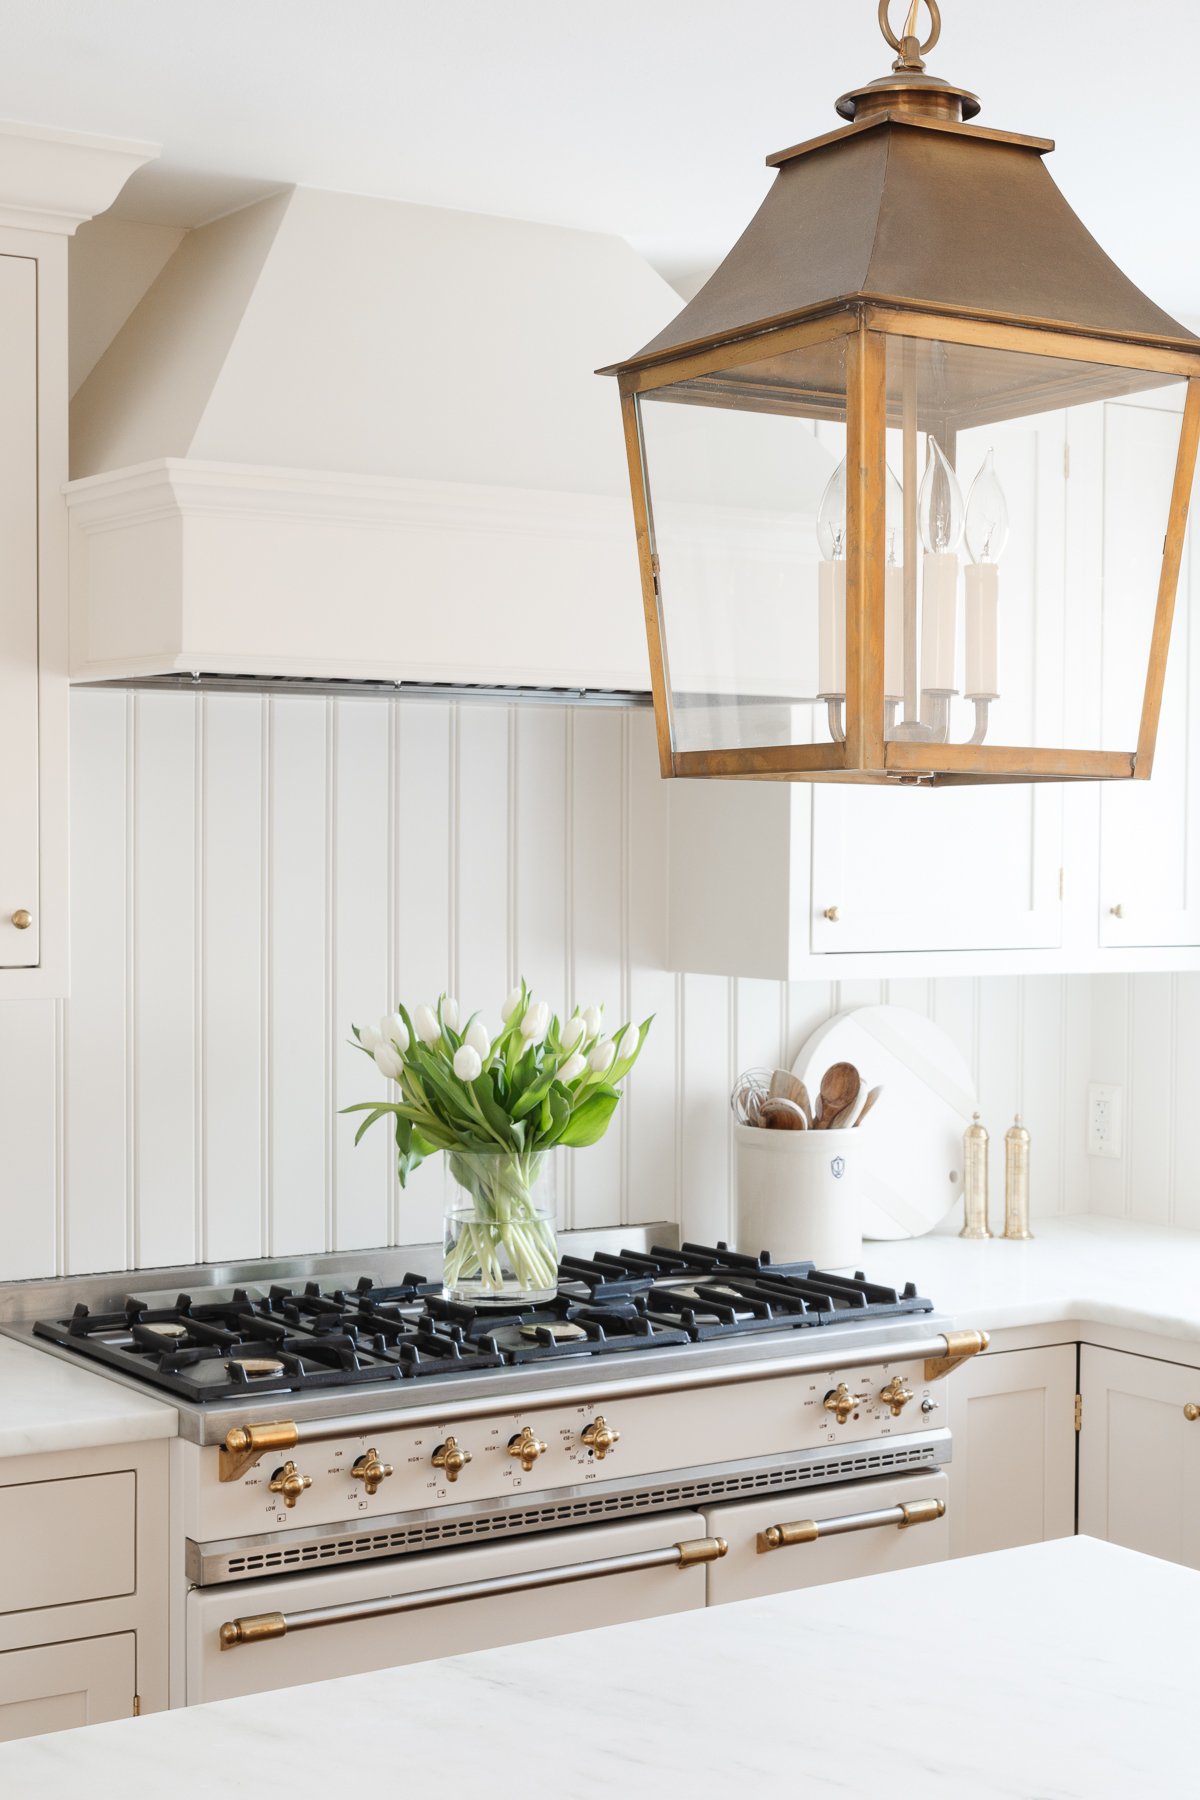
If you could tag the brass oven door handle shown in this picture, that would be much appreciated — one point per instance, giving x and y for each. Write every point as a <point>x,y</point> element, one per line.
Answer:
<point>260,1626</point>
<point>808,1531</point>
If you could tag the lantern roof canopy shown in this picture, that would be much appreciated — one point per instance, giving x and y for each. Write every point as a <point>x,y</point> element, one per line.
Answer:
<point>910,207</point>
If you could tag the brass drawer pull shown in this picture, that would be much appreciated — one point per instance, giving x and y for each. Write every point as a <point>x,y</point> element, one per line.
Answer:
<point>807,1531</point>
<point>259,1626</point>
<point>1191,1412</point>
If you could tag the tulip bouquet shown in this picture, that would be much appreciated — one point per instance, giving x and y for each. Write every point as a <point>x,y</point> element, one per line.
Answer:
<point>497,1102</point>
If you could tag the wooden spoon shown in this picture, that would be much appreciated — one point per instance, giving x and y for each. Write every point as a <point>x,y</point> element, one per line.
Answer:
<point>839,1090</point>
<point>872,1097</point>
<point>782,1115</point>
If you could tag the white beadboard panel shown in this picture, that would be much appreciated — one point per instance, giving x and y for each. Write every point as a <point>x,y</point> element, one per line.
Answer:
<point>300,1024</point>
<point>359,933</point>
<point>167,1090</point>
<point>250,876</point>
<point>232,976</point>
<point>97,1092</point>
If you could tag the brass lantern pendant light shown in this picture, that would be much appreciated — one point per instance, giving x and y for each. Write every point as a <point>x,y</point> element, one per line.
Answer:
<point>911,472</point>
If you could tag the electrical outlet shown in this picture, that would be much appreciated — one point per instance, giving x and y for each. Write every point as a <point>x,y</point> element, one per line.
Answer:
<point>1104,1119</point>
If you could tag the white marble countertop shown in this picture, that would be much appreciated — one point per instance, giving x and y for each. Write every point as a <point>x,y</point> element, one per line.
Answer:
<point>47,1403</point>
<point>1066,1671</point>
<point>1088,1269</point>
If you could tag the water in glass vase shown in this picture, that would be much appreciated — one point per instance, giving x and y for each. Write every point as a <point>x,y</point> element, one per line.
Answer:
<point>501,1246</point>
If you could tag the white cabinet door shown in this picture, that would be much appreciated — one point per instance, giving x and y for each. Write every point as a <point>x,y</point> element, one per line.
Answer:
<point>975,868</point>
<point>1139,1455</point>
<point>55,1687</point>
<point>19,890</point>
<point>1149,843</point>
<point>1012,1480</point>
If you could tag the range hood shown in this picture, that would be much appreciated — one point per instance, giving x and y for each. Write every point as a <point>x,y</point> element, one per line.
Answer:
<point>344,440</point>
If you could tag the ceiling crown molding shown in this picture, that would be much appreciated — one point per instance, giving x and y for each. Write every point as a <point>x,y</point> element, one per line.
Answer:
<point>54,180</point>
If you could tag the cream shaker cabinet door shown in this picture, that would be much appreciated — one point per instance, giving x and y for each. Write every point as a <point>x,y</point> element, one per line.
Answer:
<point>55,1687</point>
<point>1139,1455</point>
<point>19,888</point>
<point>1012,1480</point>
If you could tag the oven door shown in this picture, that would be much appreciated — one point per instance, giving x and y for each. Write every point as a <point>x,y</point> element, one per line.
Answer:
<point>828,1534</point>
<point>311,1627</point>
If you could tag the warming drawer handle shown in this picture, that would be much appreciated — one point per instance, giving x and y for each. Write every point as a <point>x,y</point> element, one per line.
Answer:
<point>807,1531</point>
<point>259,1626</point>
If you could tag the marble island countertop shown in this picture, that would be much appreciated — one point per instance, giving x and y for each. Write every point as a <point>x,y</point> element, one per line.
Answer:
<point>1066,1671</point>
<point>48,1403</point>
<point>1085,1270</point>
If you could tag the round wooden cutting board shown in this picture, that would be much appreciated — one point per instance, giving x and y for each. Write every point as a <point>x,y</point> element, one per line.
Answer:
<point>912,1173</point>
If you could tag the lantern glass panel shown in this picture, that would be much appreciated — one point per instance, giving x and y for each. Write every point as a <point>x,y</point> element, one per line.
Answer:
<point>749,525</point>
<point>1032,547</point>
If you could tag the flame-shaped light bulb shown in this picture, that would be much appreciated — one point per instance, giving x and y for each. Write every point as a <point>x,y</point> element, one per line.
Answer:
<point>893,591</point>
<point>831,516</point>
<point>940,503</point>
<point>987,527</point>
<point>894,519</point>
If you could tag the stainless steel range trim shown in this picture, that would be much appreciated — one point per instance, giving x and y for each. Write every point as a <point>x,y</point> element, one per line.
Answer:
<point>262,1555</point>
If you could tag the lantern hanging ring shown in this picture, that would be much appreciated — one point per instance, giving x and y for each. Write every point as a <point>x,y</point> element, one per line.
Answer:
<point>908,48</point>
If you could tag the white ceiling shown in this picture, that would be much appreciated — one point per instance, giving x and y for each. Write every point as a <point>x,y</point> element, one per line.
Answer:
<point>648,118</point>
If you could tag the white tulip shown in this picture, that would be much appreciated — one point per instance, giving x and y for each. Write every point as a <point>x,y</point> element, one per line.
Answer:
<point>467,1064</point>
<point>427,1027</point>
<point>593,1021</point>
<point>603,1056</point>
<point>479,1038</point>
<point>387,1061</point>
<point>536,1022</point>
<point>510,1006</point>
<point>573,1068</point>
<point>369,1038</point>
<point>572,1031</point>
<point>450,1013</point>
<point>393,1030</point>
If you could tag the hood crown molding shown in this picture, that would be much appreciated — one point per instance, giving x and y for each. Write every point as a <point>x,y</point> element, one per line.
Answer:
<point>54,180</point>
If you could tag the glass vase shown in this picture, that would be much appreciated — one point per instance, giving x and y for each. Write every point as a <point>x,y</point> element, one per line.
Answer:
<point>501,1247</point>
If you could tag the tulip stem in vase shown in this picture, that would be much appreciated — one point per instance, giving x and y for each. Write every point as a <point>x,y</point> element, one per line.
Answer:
<point>497,1103</point>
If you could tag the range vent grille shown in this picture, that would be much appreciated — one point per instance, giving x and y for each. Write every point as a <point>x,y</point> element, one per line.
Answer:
<point>208,1566</point>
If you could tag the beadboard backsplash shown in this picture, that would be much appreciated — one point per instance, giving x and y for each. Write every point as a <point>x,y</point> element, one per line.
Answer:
<point>249,875</point>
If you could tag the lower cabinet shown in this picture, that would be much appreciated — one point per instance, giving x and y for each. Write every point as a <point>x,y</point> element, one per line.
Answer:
<point>1012,1480</point>
<point>1139,1454</point>
<point>54,1687</point>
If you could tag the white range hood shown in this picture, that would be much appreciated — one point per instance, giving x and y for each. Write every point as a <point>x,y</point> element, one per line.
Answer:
<point>347,439</point>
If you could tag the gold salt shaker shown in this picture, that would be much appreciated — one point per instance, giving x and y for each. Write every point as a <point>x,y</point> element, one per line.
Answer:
<point>975,1181</point>
<point>1016,1181</point>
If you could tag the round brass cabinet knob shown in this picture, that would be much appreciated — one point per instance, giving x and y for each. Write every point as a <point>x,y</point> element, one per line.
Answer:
<point>289,1482</point>
<point>527,1447</point>
<point>370,1471</point>
<point>22,919</point>
<point>1118,912</point>
<point>896,1395</point>
<point>832,913</point>
<point>1191,1412</point>
<point>600,1437</point>
<point>448,1456</point>
<point>841,1402</point>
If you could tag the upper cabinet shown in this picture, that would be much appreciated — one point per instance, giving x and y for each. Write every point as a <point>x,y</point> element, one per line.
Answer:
<point>49,183</point>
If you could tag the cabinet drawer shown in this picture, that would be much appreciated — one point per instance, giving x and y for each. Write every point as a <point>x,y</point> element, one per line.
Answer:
<point>67,1541</point>
<point>747,1572</point>
<point>56,1687</point>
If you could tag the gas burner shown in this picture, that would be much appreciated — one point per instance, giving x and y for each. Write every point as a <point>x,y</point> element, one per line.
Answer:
<point>554,1331</point>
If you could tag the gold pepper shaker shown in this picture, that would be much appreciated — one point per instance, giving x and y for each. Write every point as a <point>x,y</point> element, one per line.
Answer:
<point>1016,1181</point>
<point>975,1181</point>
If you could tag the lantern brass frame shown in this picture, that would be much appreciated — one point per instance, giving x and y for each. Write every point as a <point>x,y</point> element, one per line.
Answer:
<point>851,208</point>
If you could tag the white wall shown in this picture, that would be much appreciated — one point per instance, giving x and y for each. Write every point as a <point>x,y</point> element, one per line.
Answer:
<point>249,876</point>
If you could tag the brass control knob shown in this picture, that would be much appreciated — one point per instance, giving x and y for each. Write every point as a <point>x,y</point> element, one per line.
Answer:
<point>370,1471</point>
<point>600,1437</point>
<point>896,1395</point>
<point>448,1456</point>
<point>841,1402</point>
<point>289,1482</point>
<point>1191,1412</point>
<point>527,1447</point>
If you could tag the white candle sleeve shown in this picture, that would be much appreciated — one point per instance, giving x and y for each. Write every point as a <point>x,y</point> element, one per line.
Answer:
<point>893,632</point>
<point>939,609</point>
<point>983,595</point>
<point>831,630</point>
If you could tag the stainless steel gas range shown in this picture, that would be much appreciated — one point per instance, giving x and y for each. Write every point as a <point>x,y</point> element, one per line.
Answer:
<point>367,1475</point>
